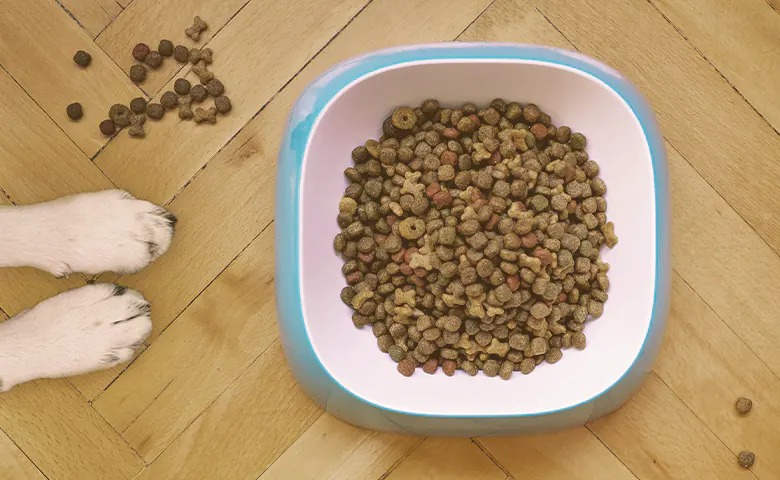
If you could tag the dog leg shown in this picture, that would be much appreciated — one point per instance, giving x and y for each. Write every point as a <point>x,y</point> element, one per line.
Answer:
<point>107,231</point>
<point>79,331</point>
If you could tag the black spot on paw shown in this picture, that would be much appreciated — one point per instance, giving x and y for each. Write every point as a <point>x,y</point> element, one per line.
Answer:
<point>153,248</point>
<point>119,290</point>
<point>171,218</point>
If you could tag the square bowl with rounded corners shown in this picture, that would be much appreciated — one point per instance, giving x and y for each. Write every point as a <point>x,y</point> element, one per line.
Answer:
<point>342,368</point>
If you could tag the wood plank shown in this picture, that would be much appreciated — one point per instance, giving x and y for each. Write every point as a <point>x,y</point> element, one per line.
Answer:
<point>245,430</point>
<point>63,435</point>
<point>514,21</point>
<point>740,38</point>
<point>332,449</point>
<point>93,15</point>
<point>214,227</point>
<point>39,40</point>
<point>14,464</point>
<point>697,109</point>
<point>140,23</point>
<point>202,354</point>
<point>447,459</point>
<point>255,55</point>
<point>539,456</point>
<point>657,437</point>
<point>92,385</point>
<point>708,367</point>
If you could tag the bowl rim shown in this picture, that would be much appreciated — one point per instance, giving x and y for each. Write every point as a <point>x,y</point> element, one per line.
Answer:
<point>301,356</point>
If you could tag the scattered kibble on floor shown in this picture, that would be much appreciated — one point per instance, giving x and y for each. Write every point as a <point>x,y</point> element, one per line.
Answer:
<point>223,105</point>
<point>140,51</point>
<point>82,58</point>
<point>198,27</point>
<point>196,55</point>
<point>154,60</point>
<point>137,126</point>
<point>155,111</point>
<point>215,88</point>
<point>107,127</point>
<point>181,54</point>
<point>165,48</point>
<point>138,105</point>
<point>169,100</point>
<point>203,73</point>
<point>120,115</point>
<point>471,236</point>
<point>75,111</point>
<point>198,93</point>
<point>185,108</point>
<point>203,115</point>
<point>746,459</point>
<point>181,86</point>
<point>137,73</point>
<point>744,405</point>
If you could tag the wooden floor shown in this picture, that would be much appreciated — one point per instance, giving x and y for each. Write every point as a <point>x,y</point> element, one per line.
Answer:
<point>211,397</point>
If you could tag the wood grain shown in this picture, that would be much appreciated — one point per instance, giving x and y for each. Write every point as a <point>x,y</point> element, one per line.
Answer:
<point>334,450</point>
<point>255,55</point>
<point>39,40</point>
<point>657,437</point>
<point>540,456</point>
<point>740,38</point>
<point>63,434</point>
<point>447,459</point>
<point>93,15</point>
<point>14,464</point>
<point>251,424</point>
<point>696,107</point>
<point>211,344</point>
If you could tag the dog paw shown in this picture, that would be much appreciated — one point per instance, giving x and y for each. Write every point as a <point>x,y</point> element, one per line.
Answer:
<point>83,330</point>
<point>107,231</point>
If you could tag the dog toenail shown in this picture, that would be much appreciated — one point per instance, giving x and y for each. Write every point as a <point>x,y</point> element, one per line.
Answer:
<point>171,218</point>
<point>119,290</point>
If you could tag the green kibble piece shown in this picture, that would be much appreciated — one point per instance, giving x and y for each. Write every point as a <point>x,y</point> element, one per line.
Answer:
<point>577,141</point>
<point>347,294</point>
<point>579,341</point>
<point>553,355</point>
<point>506,370</point>
<point>396,353</point>
<point>429,107</point>
<point>385,342</point>
<point>491,368</point>
<point>404,118</point>
<point>469,367</point>
<point>527,366</point>
<point>412,228</point>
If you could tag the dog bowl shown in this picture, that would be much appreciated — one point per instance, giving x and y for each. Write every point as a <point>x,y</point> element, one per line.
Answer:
<point>342,368</point>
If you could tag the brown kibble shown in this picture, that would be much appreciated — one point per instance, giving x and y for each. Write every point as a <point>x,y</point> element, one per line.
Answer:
<point>491,368</point>
<point>137,73</point>
<point>206,116</point>
<point>82,58</point>
<point>407,366</point>
<point>203,73</point>
<point>198,26</point>
<point>120,115</point>
<point>169,100</point>
<point>107,127</point>
<point>138,105</point>
<point>531,113</point>
<point>137,126</point>
<point>223,105</point>
<point>75,111</point>
<point>198,93</point>
<point>181,54</point>
<point>140,51</point>
<point>431,366</point>
<point>539,131</point>
<point>746,459</point>
<point>182,86</point>
<point>215,88</point>
<point>165,48</point>
<point>449,367</point>
<point>154,60</point>
<point>185,108</point>
<point>155,111</point>
<point>197,54</point>
<point>744,405</point>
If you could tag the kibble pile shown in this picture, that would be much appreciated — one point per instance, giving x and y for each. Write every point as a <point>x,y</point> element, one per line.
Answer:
<point>120,116</point>
<point>471,238</point>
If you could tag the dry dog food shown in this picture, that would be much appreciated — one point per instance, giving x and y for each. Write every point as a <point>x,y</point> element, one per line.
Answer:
<point>155,111</point>
<point>154,60</point>
<point>185,108</point>
<point>215,88</point>
<point>181,86</point>
<point>138,105</point>
<point>137,73</point>
<point>198,26</point>
<point>471,238</point>
<point>140,51</point>
<point>203,73</point>
<point>165,48</point>
<point>82,58</point>
<point>137,126</point>
<point>74,111</point>
<point>744,405</point>
<point>169,100</point>
<point>120,115</point>
<point>223,105</point>
<point>198,93</point>
<point>181,54</point>
<point>746,459</point>
<point>107,127</point>
<point>196,55</point>
<point>206,115</point>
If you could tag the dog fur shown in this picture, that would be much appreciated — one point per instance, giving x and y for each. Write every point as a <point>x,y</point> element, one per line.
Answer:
<point>89,328</point>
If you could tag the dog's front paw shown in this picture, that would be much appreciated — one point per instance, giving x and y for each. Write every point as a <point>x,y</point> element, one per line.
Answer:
<point>79,331</point>
<point>107,231</point>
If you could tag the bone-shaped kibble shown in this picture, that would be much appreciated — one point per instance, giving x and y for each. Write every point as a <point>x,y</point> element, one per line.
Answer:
<point>185,107</point>
<point>196,55</point>
<point>202,71</point>
<point>137,126</point>
<point>206,116</point>
<point>197,27</point>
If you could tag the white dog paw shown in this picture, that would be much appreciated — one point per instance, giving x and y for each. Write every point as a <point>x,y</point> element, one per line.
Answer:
<point>83,330</point>
<point>107,231</point>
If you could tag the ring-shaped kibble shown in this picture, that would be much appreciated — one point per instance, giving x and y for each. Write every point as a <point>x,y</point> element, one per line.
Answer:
<point>412,228</point>
<point>404,118</point>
